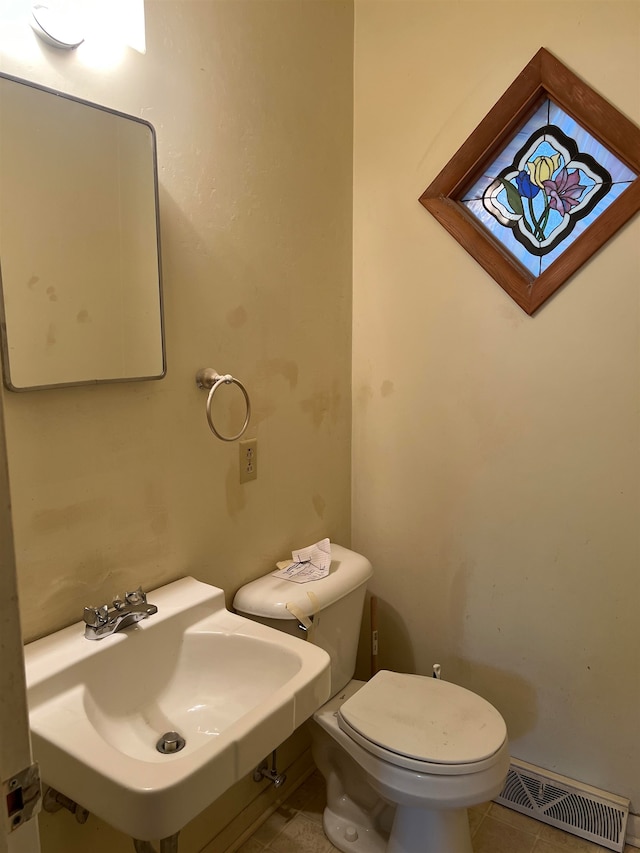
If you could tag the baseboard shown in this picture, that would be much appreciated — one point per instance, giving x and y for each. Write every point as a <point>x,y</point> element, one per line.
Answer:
<point>633,830</point>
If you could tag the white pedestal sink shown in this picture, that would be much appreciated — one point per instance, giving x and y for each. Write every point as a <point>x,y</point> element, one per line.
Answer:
<point>232,688</point>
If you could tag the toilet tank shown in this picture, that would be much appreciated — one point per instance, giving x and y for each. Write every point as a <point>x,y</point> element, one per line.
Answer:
<point>331,606</point>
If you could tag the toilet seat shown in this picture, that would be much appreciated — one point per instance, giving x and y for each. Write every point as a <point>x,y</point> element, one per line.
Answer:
<point>423,724</point>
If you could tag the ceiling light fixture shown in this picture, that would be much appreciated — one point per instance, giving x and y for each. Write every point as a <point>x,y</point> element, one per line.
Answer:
<point>55,28</point>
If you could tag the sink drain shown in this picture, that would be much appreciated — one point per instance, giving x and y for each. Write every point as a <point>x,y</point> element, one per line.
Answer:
<point>170,742</point>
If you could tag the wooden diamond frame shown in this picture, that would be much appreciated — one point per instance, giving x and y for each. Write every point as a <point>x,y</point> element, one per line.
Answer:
<point>545,77</point>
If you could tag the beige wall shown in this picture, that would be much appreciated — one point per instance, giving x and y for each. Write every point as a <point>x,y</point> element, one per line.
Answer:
<point>124,484</point>
<point>496,464</point>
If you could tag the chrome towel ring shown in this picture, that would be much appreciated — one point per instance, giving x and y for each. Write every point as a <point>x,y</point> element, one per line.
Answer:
<point>208,378</point>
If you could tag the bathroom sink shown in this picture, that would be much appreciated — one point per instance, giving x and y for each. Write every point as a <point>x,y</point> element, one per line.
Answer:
<point>232,688</point>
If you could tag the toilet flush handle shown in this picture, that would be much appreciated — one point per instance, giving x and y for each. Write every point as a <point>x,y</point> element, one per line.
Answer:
<point>305,622</point>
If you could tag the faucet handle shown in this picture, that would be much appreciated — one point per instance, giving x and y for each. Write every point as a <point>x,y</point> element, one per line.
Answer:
<point>96,616</point>
<point>136,597</point>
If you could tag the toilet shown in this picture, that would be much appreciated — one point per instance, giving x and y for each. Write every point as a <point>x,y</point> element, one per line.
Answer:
<point>403,756</point>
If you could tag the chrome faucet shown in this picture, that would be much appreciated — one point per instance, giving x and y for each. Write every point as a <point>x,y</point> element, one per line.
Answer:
<point>103,621</point>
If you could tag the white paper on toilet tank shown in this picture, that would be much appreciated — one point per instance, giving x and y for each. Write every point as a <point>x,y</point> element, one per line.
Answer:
<point>307,564</point>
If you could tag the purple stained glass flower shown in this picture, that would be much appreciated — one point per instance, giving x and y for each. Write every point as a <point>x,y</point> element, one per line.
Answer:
<point>564,191</point>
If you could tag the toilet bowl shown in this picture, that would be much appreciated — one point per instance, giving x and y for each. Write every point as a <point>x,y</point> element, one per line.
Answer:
<point>403,755</point>
<point>380,795</point>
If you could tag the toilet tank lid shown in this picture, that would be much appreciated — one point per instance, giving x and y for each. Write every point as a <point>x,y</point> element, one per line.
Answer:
<point>268,596</point>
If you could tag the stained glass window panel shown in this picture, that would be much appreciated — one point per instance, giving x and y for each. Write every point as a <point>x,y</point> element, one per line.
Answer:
<point>550,182</point>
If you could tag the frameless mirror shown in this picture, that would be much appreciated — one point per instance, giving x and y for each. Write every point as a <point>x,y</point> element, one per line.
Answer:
<point>80,268</point>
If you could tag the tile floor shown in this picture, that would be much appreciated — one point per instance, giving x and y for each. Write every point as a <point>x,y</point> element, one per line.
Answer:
<point>296,827</point>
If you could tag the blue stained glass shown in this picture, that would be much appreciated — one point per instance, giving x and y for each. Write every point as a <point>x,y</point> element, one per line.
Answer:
<point>587,144</point>
<point>531,262</point>
<point>505,158</point>
<point>544,189</point>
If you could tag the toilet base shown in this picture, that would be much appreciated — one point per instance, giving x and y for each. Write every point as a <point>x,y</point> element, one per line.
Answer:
<point>349,836</point>
<point>430,831</point>
<point>413,831</point>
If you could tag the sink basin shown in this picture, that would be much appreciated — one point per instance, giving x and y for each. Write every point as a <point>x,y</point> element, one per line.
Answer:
<point>232,688</point>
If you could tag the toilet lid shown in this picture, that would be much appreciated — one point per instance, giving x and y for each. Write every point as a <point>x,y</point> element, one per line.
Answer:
<point>425,719</point>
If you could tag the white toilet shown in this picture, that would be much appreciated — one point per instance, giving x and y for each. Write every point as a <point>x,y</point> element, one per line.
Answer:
<point>403,756</point>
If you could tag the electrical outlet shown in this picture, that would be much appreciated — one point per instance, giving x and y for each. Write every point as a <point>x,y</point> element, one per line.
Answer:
<point>248,460</point>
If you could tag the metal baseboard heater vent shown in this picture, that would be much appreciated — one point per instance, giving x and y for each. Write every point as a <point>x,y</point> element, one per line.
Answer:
<point>588,812</point>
